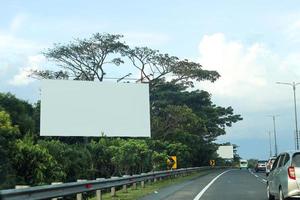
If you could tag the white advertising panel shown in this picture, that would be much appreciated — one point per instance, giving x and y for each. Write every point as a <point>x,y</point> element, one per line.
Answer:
<point>225,152</point>
<point>86,108</point>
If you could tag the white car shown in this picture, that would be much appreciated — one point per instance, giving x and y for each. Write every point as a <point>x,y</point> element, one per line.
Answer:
<point>284,177</point>
<point>243,164</point>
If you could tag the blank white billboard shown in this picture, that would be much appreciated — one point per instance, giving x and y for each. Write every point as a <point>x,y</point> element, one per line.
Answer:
<point>225,152</point>
<point>86,108</point>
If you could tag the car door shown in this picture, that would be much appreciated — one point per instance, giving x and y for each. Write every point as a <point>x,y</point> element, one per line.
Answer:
<point>272,176</point>
<point>284,173</point>
<point>279,173</point>
<point>296,164</point>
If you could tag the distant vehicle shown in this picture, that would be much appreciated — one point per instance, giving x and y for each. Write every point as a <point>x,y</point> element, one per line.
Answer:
<point>243,164</point>
<point>269,165</point>
<point>261,166</point>
<point>284,177</point>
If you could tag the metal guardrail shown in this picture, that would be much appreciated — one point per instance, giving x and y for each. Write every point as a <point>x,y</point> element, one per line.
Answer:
<point>65,189</point>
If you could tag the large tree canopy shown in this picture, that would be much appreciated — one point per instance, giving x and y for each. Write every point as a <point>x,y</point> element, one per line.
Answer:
<point>84,59</point>
<point>174,109</point>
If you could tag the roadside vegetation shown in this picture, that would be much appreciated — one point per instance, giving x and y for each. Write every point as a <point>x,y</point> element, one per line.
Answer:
<point>184,121</point>
<point>134,194</point>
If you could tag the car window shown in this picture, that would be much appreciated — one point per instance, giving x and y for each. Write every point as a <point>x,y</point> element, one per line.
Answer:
<point>296,160</point>
<point>275,163</point>
<point>286,158</point>
<point>281,160</point>
<point>262,161</point>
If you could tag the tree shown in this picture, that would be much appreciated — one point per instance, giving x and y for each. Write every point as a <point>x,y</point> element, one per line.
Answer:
<point>173,119</point>
<point>20,111</point>
<point>192,111</point>
<point>8,136</point>
<point>101,157</point>
<point>131,156</point>
<point>84,59</point>
<point>33,163</point>
<point>154,66</point>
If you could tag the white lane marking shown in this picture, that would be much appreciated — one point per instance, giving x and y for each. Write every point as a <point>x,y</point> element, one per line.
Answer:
<point>259,177</point>
<point>207,186</point>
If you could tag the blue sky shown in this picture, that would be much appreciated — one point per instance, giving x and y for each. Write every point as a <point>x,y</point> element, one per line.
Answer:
<point>252,44</point>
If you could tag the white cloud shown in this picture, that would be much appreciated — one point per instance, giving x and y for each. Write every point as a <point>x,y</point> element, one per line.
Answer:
<point>12,44</point>
<point>248,73</point>
<point>293,31</point>
<point>248,83</point>
<point>18,22</point>
<point>17,57</point>
<point>33,63</point>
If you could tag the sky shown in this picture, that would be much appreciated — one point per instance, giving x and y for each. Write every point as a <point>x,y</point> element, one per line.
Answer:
<point>252,44</point>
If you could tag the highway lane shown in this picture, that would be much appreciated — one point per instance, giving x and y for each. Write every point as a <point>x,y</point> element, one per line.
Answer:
<point>236,185</point>
<point>231,185</point>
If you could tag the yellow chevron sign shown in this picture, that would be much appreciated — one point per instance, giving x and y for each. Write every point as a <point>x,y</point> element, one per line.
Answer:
<point>172,162</point>
<point>212,163</point>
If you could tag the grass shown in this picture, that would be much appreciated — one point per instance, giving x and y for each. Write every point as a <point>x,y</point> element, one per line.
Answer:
<point>149,188</point>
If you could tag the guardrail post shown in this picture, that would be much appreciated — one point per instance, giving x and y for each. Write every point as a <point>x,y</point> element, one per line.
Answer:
<point>134,186</point>
<point>143,184</point>
<point>79,195</point>
<point>155,179</point>
<point>113,189</point>
<point>143,181</point>
<point>55,183</point>
<point>98,192</point>
<point>125,186</point>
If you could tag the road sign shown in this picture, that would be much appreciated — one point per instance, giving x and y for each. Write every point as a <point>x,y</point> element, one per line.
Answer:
<point>172,162</point>
<point>212,163</point>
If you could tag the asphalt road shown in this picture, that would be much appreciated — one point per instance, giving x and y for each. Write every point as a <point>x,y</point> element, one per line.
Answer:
<point>224,185</point>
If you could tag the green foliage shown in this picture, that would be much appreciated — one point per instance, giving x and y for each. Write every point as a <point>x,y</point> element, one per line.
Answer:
<point>101,158</point>
<point>131,156</point>
<point>182,152</point>
<point>34,164</point>
<point>159,161</point>
<point>21,112</point>
<point>8,135</point>
<point>171,103</point>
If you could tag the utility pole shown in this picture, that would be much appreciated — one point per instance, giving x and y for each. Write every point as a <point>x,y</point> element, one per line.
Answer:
<point>270,144</point>
<point>274,131</point>
<point>293,84</point>
<point>275,138</point>
<point>296,120</point>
